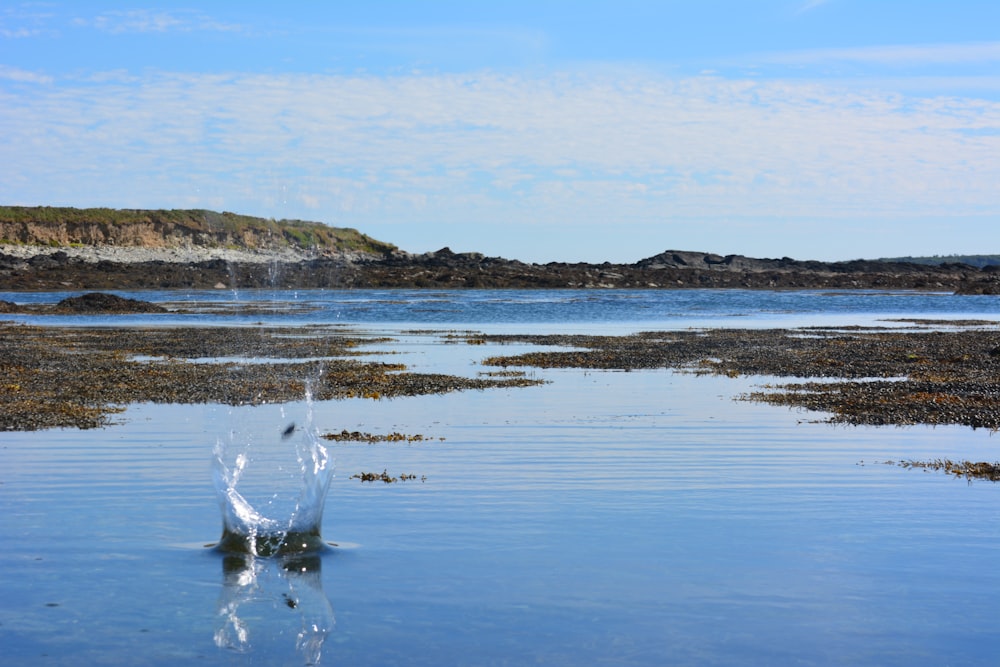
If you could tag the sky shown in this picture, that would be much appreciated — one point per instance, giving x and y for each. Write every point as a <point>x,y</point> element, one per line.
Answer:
<point>533,130</point>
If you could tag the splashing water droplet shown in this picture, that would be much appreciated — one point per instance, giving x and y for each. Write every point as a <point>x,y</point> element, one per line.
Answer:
<point>279,523</point>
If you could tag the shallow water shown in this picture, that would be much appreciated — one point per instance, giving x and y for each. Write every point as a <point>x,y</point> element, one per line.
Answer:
<point>640,517</point>
<point>559,311</point>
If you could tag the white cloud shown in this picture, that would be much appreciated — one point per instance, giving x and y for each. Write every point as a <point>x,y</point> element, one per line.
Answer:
<point>19,33</point>
<point>810,5</point>
<point>487,146</point>
<point>25,21</point>
<point>155,21</point>
<point>896,55</point>
<point>23,76</point>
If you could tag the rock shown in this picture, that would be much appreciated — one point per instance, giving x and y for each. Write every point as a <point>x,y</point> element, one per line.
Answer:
<point>986,285</point>
<point>98,302</point>
<point>48,261</point>
<point>447,269</point>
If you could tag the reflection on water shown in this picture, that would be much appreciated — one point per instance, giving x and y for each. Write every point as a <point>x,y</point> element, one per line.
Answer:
<point>260,594</point>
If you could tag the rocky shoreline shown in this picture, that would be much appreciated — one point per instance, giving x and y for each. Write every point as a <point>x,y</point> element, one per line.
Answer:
<point>36,268</point>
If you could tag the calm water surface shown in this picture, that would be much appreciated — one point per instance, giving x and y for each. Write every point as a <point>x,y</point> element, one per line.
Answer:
<point>639,518</point>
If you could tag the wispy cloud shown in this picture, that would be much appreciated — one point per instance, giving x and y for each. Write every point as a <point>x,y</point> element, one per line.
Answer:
<point>896,55</point>
<point>491,147</point>
<point>19,33</point>
<point>23,76</point>
<point>24,21</point>
<point>810,5</point>
<point>155,21</point>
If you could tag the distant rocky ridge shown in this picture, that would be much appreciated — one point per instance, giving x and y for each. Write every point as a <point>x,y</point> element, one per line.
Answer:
<point>978,261</point>
<point>83,249</point>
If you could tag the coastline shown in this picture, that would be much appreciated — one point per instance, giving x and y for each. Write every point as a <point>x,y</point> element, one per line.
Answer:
<point>190,254</point>
<point>44,268</point>
<point>64,248</point>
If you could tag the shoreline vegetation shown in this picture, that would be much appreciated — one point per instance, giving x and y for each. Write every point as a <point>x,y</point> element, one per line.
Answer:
<point>58,249</point>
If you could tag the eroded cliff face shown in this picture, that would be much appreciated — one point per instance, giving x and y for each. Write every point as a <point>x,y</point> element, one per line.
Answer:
<point>144,234</point>
<point>65,227</point>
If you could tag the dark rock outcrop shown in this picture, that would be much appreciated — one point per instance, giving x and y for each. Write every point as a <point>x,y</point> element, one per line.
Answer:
<point>447,269</point>
<point>97,302</point>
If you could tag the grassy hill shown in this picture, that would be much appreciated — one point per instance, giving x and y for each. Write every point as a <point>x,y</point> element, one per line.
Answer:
<point>62,226</point>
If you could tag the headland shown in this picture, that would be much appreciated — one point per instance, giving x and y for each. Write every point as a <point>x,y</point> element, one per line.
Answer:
<point>47,248</point>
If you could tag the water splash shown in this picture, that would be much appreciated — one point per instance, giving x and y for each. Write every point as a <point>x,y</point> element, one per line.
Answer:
<point>289,520</point>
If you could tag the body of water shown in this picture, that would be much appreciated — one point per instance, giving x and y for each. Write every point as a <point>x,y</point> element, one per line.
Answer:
<point>561,311</point>
<point>624,518</point>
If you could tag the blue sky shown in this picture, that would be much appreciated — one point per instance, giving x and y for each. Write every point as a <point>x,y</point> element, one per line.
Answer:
<point>542,131</point>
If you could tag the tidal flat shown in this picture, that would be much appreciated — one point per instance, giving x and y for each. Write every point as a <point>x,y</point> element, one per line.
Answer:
<point>81,376</point>
<point>880,376</point>
<point>567,490</point>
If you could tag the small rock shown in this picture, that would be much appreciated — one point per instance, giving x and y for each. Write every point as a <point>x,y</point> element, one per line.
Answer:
<point>98,302</point>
